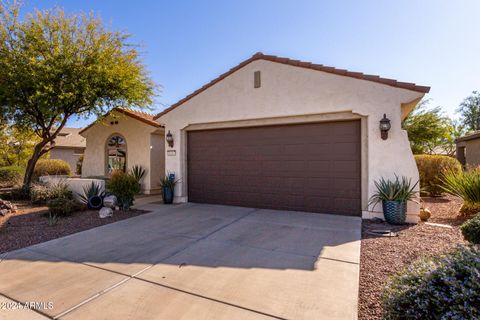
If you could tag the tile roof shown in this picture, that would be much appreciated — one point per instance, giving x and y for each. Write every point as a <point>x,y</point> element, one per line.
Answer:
<point>301,64</point>
<point>70,138</point>
<point>138,115</point>
<point>471,136</point>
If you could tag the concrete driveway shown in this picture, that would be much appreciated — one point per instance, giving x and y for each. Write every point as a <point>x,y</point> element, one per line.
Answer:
<point>192,261</point>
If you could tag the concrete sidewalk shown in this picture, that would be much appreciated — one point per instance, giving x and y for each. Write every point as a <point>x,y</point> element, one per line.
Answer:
<point>192,261</point>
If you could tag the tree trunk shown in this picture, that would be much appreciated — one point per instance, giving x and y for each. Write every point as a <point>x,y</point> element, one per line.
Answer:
<point>40,150</point>
<point>37,153</point>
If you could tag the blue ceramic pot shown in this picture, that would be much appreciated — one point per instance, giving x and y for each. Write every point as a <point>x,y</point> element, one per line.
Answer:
<point>95,202</point>
<point>167,194</point>
<point>395,212</point>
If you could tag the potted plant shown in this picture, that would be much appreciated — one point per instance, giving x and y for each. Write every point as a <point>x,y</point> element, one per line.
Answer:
<point>394,195</point>
<point>168,187</point>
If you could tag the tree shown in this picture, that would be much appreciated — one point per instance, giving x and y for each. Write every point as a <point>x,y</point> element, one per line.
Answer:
<point>17,145</point>
<point>456,130</point>
<point>55,66</point>
<point>427,128</point>
<point>470,111</point>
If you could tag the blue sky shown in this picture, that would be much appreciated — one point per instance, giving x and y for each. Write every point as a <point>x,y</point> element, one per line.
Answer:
<point>188,43</point>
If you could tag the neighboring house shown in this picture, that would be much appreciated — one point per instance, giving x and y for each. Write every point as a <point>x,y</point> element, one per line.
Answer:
<point>468,149</point>
<point>283,134</point>
<point>124,138</point>
<point>69,146</point>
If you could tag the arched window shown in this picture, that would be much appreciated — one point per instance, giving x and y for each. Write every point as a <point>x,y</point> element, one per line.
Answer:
<point>116,153</point>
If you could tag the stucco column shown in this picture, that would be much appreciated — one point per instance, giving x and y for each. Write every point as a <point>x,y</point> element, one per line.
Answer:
<point>175,162</point>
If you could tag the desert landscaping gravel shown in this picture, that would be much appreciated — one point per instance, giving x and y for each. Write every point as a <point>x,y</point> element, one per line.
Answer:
<point>381,257</point>
<point>29,225</point>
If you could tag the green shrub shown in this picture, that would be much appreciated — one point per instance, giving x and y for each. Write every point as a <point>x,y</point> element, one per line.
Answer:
<point>17,193</point>
<point>471,229</point>
<point>124,187</point>
<point>62,206</point>
<point>40,193</point>
<point>51,167</point>
<point>10,176</point>
<point>430,168</point>
<point>79,164</point>
<point>444,287</point>
<point>465,185</point>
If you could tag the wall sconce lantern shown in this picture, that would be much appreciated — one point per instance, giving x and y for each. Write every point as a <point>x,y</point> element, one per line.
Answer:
<point>385,126</point>
<point>169,138</point>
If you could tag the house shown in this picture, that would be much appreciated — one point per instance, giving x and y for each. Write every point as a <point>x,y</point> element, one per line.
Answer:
<point>283,134</point>
<point>468,149</point>
<point>69,146</point>
<point>122,139</point>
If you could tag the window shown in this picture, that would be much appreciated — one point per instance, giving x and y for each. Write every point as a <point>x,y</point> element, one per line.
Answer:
<point>116,154</point>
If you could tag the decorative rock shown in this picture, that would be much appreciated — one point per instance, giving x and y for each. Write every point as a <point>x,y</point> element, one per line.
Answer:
<point>110,201</point>
<point>105,212</point>
<point>425,214</point>
<point>117,208</point>
<point>7,207</point>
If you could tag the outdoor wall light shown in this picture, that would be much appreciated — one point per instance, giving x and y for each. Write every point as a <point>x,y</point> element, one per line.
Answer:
<point>385,126</point>
<point>169,138</point>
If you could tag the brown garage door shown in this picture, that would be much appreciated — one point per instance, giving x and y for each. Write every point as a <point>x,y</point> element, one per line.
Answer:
<point>305,167</point>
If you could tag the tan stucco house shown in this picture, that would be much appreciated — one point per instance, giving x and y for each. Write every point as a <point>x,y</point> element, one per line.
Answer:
<point>69,146</point>
<point>276,133</point>
<point>122,139</point>
<point>468,149</point>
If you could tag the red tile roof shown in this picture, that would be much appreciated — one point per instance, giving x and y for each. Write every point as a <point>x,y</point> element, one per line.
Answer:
<point>139,115</point>
<point>301,64</point>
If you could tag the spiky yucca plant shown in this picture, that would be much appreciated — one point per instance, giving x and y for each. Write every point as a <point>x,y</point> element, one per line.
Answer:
<point>138,172</point>
<point>465,185</point>
<point>400,189</point>
<point>93,189</point>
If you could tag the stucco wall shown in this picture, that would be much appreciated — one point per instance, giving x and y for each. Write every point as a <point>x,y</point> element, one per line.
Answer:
<point>288,92</point>
<point>137,135</point>
<point>68,155</point>
<point>472,152</point>
<point>157,161</point>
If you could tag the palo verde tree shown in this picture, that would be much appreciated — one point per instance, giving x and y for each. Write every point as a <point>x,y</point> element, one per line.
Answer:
<point>470,111</point>
<point>55,66</point>
<point>427,128</point>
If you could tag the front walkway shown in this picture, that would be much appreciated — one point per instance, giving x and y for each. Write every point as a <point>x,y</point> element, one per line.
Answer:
<point>192,261</point>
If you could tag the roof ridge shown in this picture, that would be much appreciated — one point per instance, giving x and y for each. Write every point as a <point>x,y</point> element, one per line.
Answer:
<point>137,111</point>
<point>138,115</point>
<point>301,64</point>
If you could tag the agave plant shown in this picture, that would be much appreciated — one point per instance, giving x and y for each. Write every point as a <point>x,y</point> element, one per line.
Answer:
<point>166,182</point>
<point>400,189</point>
<point>94,189</point>
<point>138,172</point>
<point>465,185</point>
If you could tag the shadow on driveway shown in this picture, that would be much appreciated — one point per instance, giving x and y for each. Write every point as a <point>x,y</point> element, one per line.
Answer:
<point>267,263</point>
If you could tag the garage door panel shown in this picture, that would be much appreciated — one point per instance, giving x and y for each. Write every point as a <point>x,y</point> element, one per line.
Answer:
<point>346,205</point>
<point>306,167</point>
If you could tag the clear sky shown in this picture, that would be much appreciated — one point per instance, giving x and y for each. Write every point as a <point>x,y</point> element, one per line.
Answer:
<point>185,44</point>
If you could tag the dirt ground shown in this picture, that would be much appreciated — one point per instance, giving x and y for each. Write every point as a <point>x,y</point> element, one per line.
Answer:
<point>381,257</point>
<point>30,225</point>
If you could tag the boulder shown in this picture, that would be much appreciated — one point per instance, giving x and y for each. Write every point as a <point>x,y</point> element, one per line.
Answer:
<point>105,212</point>
<point>110,201</point>
<point>7,207</point>
<point>425,214</point>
